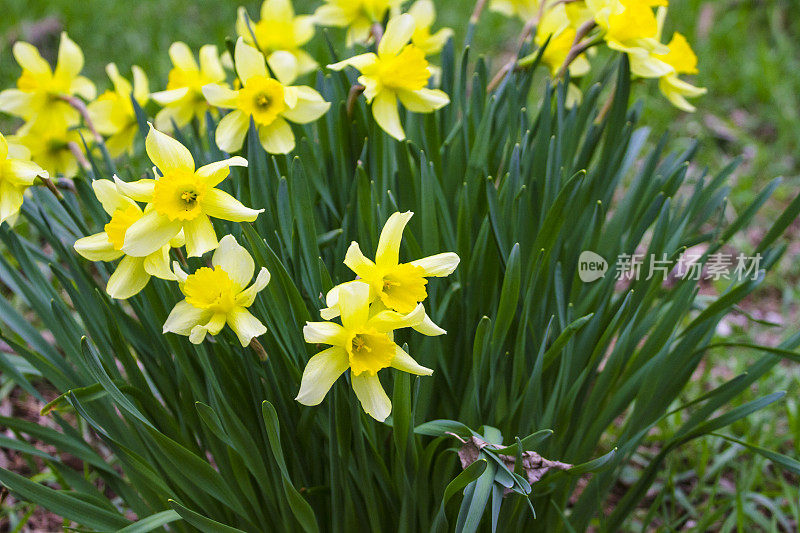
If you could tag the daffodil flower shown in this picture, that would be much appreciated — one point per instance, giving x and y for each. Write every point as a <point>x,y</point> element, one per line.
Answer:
<point>183,100</point>
<point>631,27</point>
<point>37,97</point>
<point>424,14</point>
<point>364,344</point>
<point>398,71</point>
<point>133,273</point>
<point>182,198</point>
<point>683,60</point>
<point>17,173</point>
<point>357,16</point>
<point>113,114</point>
<point>524,9</point>
<point>280,34</point>
<point>51,146</point>
<point>219,295</point>
<point>397,286</point>
<point>266,100</point>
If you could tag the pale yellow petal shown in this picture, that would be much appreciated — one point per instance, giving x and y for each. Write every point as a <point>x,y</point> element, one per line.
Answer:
<point>213,173</point>
<point>388,253</point>
<point>429,328</point>
<point>324,333</point>
<point>184,317</point>
<point>284,65</point>
<point>309,107</point>
<point>384,109</point>
<point>245,325</point>
<point>234,259</point>
<point>358,262</point>
<point>168,154</point>
<point>232,130</point>
<point>220,96</point>
<point>277,138</point>
<point>438,265</point>
<point>398,33</point>
<point>247,296</point>
<point>249,61</point>
<point>157,264</point>
<point>373,398</point>
<point>200,236</point>
<point>386,321</point>
<point>210,65</point>
<point>97,247</point>
<point>149,234</point>
<point>406,363</point>
<point>354,305</point>
<point>182,57</point>
<point>139,190</point>
<point>359,62</point>
<point>423,100</point>
<point>128,279</point>
<point>320,374</point>
<point>110,197</point>
<point>29,58</point>
<point>219,204</point>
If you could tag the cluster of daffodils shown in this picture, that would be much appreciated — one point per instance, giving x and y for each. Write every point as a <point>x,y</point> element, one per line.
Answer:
<point>570,30</point>
<point>151,217</point>
<point>386,296</point>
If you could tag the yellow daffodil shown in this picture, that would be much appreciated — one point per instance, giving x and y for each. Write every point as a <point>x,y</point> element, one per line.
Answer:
<point>40,89</point>
<point>17,173</point>
<point>183,100</point>
<point>181,198</point>
<point>219,295</point>
<point>266,100</point>
<point>357,16</point>
<point>364,344</point>
<point>133,273</point>
<point>398,71</point>
<point>683,60</point>
<point>113,114</point>
<point>424,13</point>
<point>52,146</point>
<point>556,25</point>
<point>280,34</point>
<point>630,26</point>
<point>524,9</point>
<point>397,286</point>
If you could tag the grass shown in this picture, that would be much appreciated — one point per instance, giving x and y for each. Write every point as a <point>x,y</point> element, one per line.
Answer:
<point>749,61</point>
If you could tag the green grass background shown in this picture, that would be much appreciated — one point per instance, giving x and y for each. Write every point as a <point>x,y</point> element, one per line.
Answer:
<point>749,59</point>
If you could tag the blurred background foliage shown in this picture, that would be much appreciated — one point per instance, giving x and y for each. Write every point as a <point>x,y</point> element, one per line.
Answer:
<point>749,58</point>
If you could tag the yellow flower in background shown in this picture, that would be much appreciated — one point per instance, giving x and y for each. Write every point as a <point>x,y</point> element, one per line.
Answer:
<point>398,71</point>
<point>397,286</point>
<point>681,57</point>
<point>51,146</point>
<point>39,92</point>
<point>524,9</point>
<point>133,273</point>
<point>557,26</point>
<point>424,13</point>
<point>182,198</point>
<point>280,34</point>
<point>17,173</point>
<point>631,27</point>
<point>183,100</point>
<point>357,16</point>
<point>364,344</point>
<point>113,114</point>
<point>219,295</point>
<point>266,100</point>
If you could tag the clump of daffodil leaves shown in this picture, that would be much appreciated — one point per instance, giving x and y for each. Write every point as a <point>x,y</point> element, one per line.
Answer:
<point>261,284</point>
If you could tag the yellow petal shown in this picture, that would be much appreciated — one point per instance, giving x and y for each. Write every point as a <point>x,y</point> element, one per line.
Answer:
<point>429,328</point>
<point>220,96</point>
<point>423,100</point>
<point>214,325</point>
<point>354,305</point>
<point>128,279</point>
<point>359,62</point>
<point>324,333</point>
<point>182,57</point>
<point>3,147</point>
<point>232,130</point>
<point>70,58</point>
<point>277,138</point>
<point>139,190</point>
<point>29,58</point>
<point>110,197</point>
<point>247,296</point>
<point>213,173</point>
<point>424,13</point>
<point>388,253</point>
<point>277,9</point>
<point>157,264</point>
<point>83,87</point>
<point>200,236</point>
<point>245,325</point>
<point>249,61</point>
<point>309,107</point>
<point>16,102</point>
<point>168,154</point>
<point>121,85</point>
<point>358,262</point>
<point>149,234</point>
<point>406,363</point>
<point>11,199</point>
<point>221,205</point>
<point>184,317</point>
<point>398,33</point>
<point>97,247</point>
<point>384,109</point>
<point>438,265</point>
<point>168,97</point>
<point>141,87</point>
<point>234,259</point>
<point>320,374</point>
<point>210,65</point>
<point>284,65</point>
<point>386,321</point>
<point>373,398</point>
